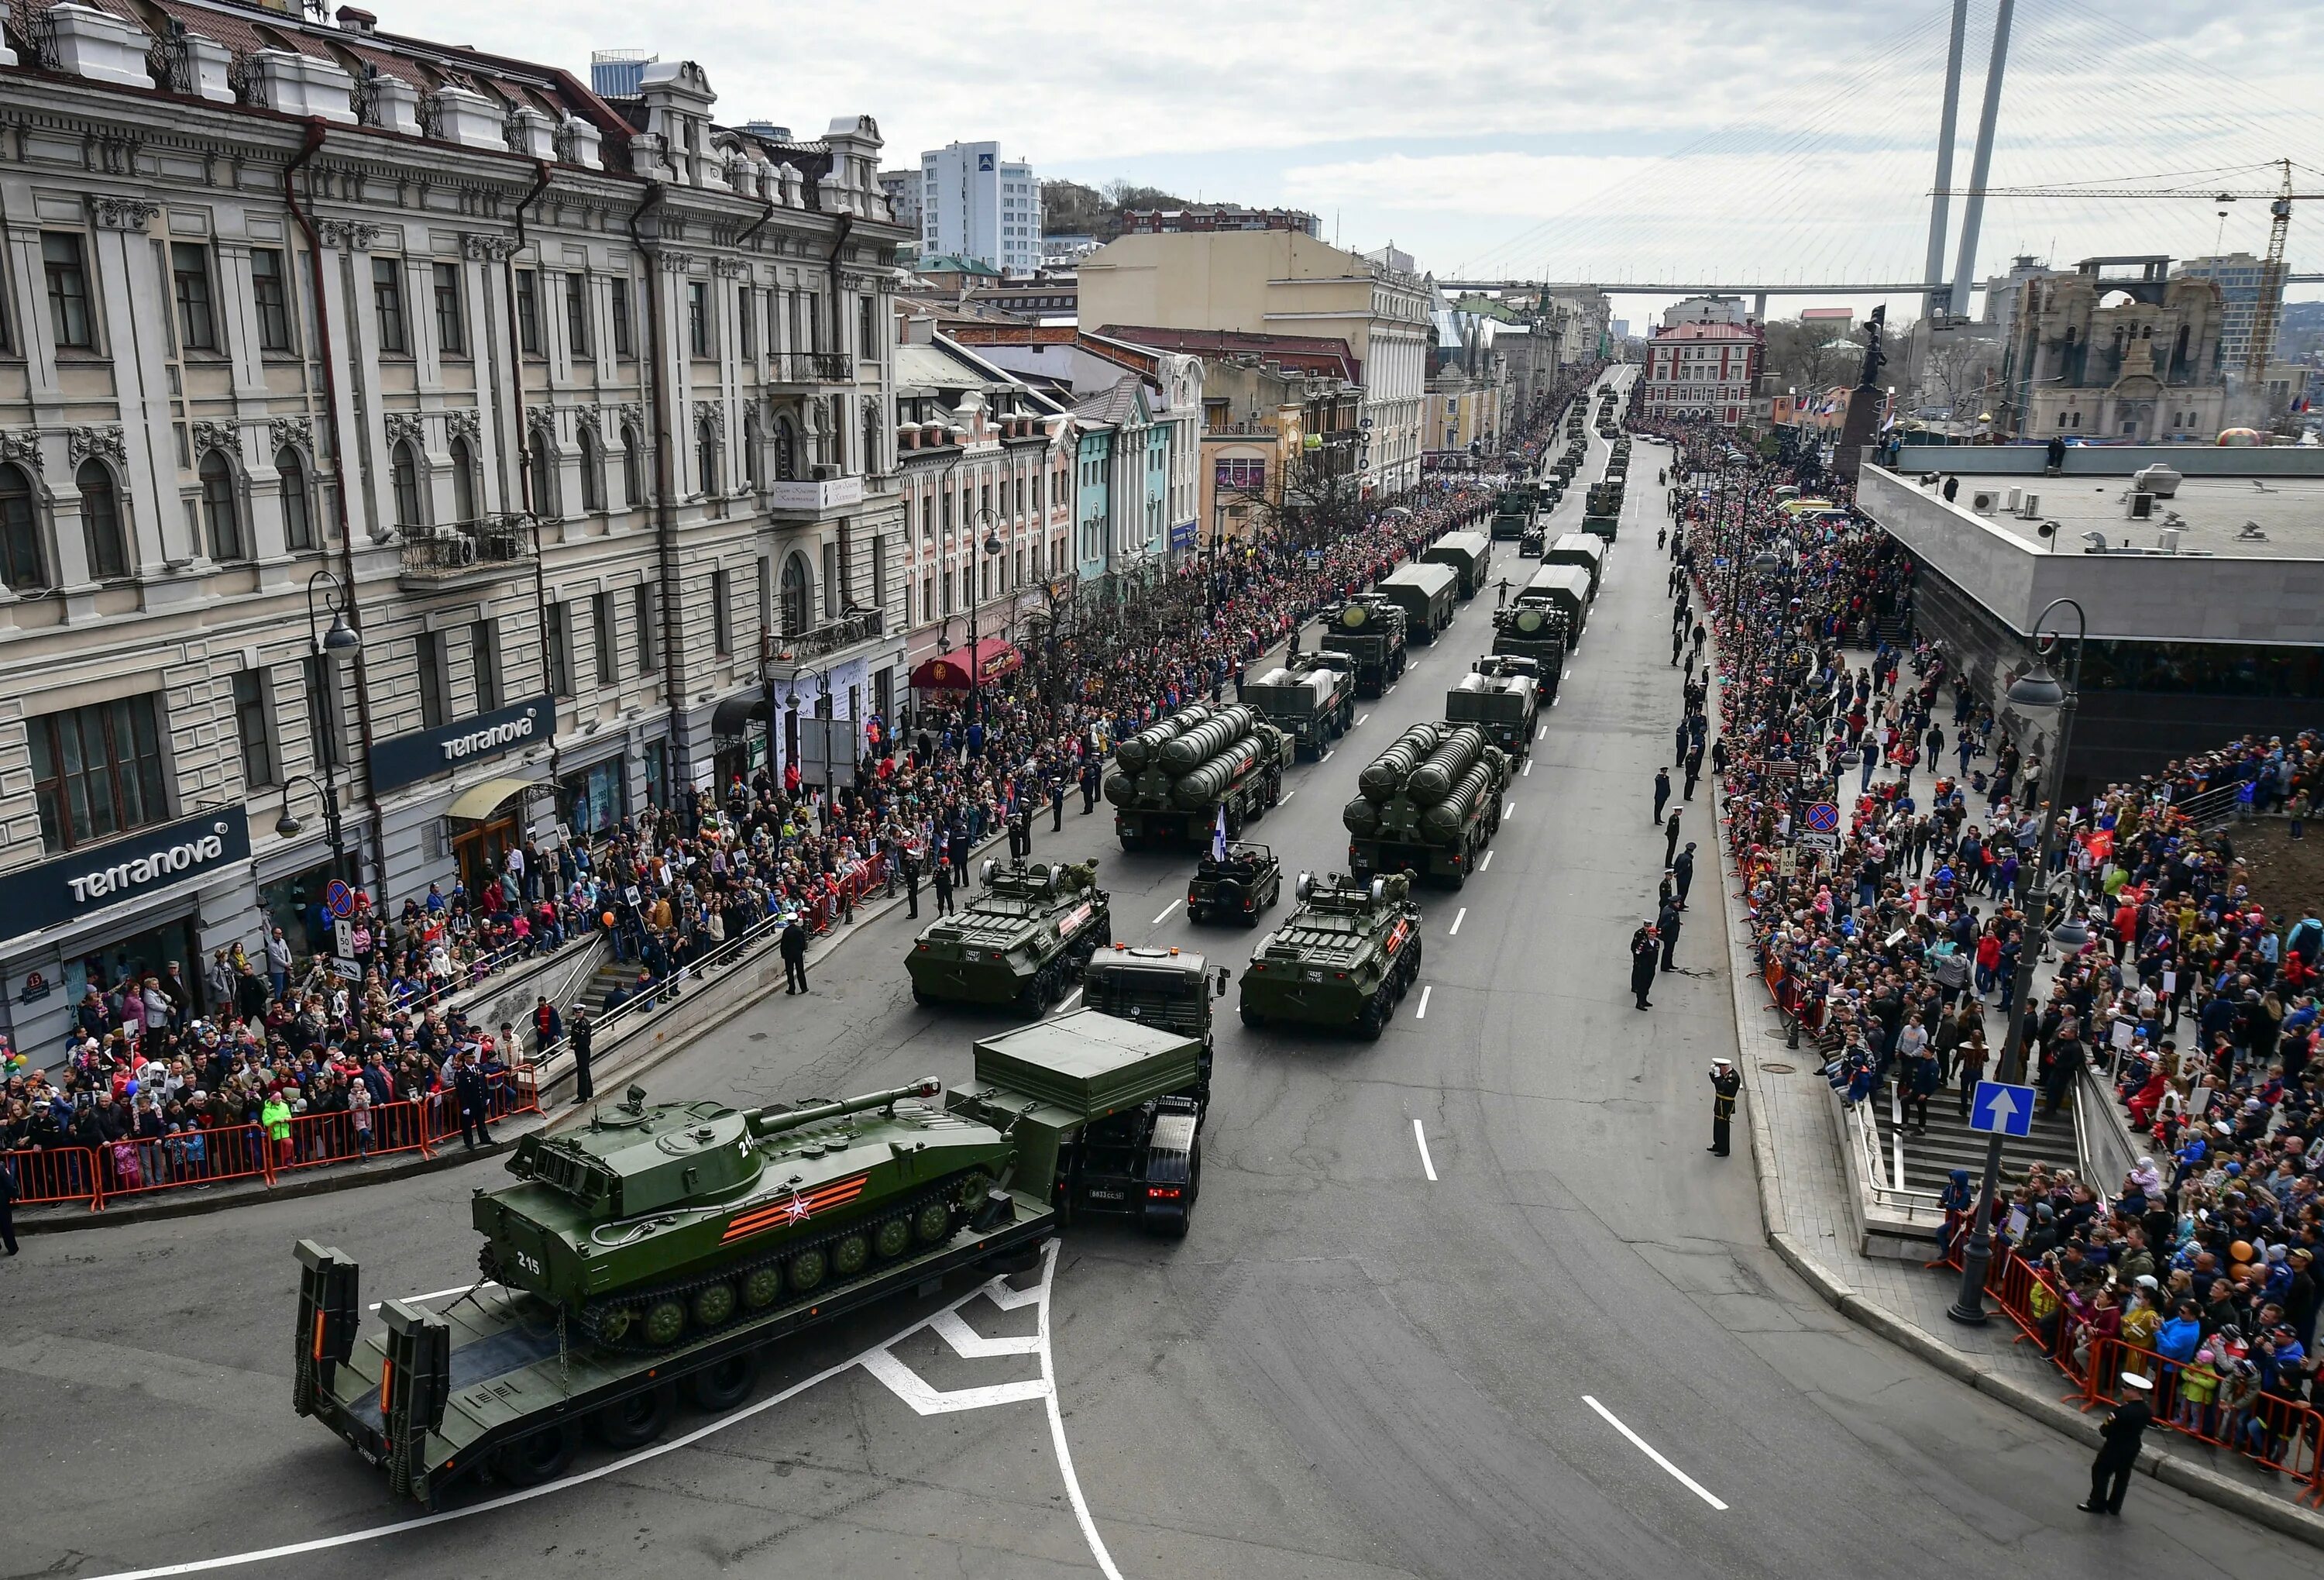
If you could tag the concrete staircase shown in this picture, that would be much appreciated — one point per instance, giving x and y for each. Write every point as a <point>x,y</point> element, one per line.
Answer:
<point>1949,1144</point>
<point>609,975</point>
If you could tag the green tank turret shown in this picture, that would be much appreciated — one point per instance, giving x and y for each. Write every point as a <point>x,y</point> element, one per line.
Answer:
<point>1347,953</point>
<point>661,1222</point>
<point>1022,940</point>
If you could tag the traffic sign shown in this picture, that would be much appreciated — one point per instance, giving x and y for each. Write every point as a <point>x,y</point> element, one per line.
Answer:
<point>1824,818</point>
<point>2001,1109</point>
<point>338,899</point>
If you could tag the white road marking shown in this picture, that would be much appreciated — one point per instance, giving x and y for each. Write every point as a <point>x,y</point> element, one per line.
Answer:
<point>1527,771</point>
<point>1422,1012</point>
<point>1508,811</point>
<point>1553,702</point>
<point>1166,911</point>
<point>1326,757</point>
<point>908,1386</point>
<point>1288,794</point>
<point>997,1289</point>
<point>1647,1449</point>
<point>970,1344</point>
<point>1541,731</point>
<point>1566,673</point>
<point>1426,1162</point>
<point>1361,717</point>
<point>1457,921</point>
<point>1486,863</point>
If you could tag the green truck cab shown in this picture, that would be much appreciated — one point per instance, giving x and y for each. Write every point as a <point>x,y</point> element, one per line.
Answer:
<point>1020,940</point>
<point>1344,957</point>
<point>1471,556</point>
<point>1513,509</point>
<point>1427,594</point>
<point>1313,700</point>
<point>1505,702</point>
<point>1370,630</point>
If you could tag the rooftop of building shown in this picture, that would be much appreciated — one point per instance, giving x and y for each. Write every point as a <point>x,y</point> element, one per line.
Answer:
<point>1305,353</point>
<point>1705,329</point>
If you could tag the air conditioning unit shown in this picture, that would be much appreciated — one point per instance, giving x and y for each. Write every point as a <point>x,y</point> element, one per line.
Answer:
<point>2016,500</point>
<point>2167,540</point>
<point>1984,502</point>
<point>2140,505</point>
<point>2030,506</point>
<point>2158,479</point>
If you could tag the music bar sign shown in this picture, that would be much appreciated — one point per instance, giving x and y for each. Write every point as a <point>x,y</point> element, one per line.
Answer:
<point>143,864</point>
<point>402,759</point>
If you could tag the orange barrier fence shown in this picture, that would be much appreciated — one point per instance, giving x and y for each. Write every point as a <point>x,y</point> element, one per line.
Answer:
<point>194,1158</point>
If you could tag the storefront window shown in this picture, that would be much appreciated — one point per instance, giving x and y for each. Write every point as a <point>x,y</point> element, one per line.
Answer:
<point>658,772</point>
<point>149,954</point>
<point>294,902</point>
<point>591,802</point>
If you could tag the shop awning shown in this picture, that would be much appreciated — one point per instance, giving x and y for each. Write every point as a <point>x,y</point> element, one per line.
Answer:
<point>731,717</point>
<point>480,801</point>
<point>993,657</point>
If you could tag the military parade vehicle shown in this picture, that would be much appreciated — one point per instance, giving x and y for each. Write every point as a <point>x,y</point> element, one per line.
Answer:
<point>1504,702</point>
<point>1428,805</point>
<point>1471,556</point>
<point>1513,509</point>
<point>1174,780</point>
<point>1583,550</point>
<point>1019,940</point>
<point>1566,587</point>
<point>1604,498</point>
<point>1344,957</point>
<point>666,1249</point>
<point>1370,630</point>
<point>1429,595</point>
<point>1165,987</point>
<point>1313,700</point>
<point>1604,527</point>
<point>1234,887</point>
<point>1536,631</point>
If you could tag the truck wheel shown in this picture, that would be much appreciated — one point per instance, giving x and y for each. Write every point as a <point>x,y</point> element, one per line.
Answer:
<point>892,1237</point>
<point>538,1456</point>
<point>1459,877</point>
<point>1252,1016</point>
<point>1274,788</point>
<point>1193,913</point>
<point>1372,1021</point>
<point>921,995</point>
<point>1132,842</point>
<point>1028,997</point>
<point>723,1384</point>
<point>635,1422</point>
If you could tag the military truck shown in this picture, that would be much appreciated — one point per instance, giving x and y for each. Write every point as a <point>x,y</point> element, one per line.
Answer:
<point>1565,587</point>
<point>1174,780</point>
<point>1583,550</point>
<point>1313,700</point>
<point>665,1249</point>
<point>1513,508</point>
<point>1344,957</point>
<point>1236,887</point>
<point>1604,498</point>
<point>1165,987</point>
<point>1428,805</point>
<point>1427,594</point>
<point>1537,631</point>
<point>1505,704</point>
<point>1370,630</point>
<point>1471,556</point>
<point>1021,939</point>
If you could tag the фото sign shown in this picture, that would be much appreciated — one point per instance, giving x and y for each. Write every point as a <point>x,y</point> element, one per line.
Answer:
<point>402,760</point>
<point>146,863</point>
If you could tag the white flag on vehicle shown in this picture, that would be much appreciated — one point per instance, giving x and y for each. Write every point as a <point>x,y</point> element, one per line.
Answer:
<point>1219,836</point>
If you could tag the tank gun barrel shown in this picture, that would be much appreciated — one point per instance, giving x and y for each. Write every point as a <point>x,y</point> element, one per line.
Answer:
<point>768,1122</point>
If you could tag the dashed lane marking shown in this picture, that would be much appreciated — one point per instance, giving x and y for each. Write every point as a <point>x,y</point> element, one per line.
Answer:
<point>1508,811</point>
<point>1527,771</point>
<point>1360,719</point>
<point>1427,1163</point>
<point>1289,793</point>
<point>1454,931</point>
<point>1422,1012</point>
<point>1647,1449</point>
<point>1540,732</point>
<point>1067,1002</point>
<point>1486,863</point>
<point>1326,757</point>
<point>1167,912</point>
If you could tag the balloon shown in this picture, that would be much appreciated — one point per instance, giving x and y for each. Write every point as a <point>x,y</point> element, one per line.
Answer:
<point>607,918</point>
<point>2240,1250</point>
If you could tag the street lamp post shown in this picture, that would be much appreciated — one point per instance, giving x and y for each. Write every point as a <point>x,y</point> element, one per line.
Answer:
<point>339,639</point>
<point>2037,689</point>
<point>288,824</point>
<point>992,547</point>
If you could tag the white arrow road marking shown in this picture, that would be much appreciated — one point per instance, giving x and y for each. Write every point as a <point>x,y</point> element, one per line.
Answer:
<point>1426,1162</point>
<point>997,1290</point>
<point>1422,1012</point>
<point>1647,1449</point>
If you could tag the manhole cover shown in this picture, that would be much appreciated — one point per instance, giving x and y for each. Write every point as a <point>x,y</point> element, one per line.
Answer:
<point>1777,1069</point>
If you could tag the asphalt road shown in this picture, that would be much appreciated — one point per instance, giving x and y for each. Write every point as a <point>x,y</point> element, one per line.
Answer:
<point>1347,1370</point>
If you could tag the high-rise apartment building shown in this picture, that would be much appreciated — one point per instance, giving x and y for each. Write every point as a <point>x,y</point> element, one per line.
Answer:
<point>975,204</point>
<point>2237,276</point>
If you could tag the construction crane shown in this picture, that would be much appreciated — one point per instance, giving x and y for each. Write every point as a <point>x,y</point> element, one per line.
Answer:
<point>2272,273</point>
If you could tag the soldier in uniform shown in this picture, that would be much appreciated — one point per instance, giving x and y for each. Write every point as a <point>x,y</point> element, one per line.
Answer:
<point>578,1034</point>
<point>1726,1080</point>
<point>1645,950</point>
<point>2118,1455</point>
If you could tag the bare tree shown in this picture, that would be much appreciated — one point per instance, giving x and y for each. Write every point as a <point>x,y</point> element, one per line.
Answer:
<point>1957,373</point>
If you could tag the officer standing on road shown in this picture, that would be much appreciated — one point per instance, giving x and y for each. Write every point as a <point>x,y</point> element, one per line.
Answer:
<point>1089,785</point>
<point>1670,837</point>
<point>578,1035</point>
<point>1662,793</point>
<point>1726,1080</point>
<point>911,885</point>
<point>794,952</point>
<point>2118,1455</point>
<point>1501,593</point>
<point>8,1188</point>
<point>1642,950</point>
<point>1683,873</point>
<point>1057,805</point>
<point>1667,925</point>
<point>942,875</point>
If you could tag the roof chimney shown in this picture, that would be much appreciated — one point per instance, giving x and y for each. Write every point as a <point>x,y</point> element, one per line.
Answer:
<point>354,19</point>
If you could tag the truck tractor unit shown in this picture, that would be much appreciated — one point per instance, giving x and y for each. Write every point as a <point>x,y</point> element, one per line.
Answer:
<point>1344,958</point>
<point>666,1249</point>
<point>1313,700</point>
<point>1429,805</point>
<point>1168,988</point>
<point>1505,704</point>
<point>1239,886</point>
<point>1429,595</point>
<point>1370,630</point>
<point>1172,783</point>
<point>1022,940</point>
<point>1471,556</point>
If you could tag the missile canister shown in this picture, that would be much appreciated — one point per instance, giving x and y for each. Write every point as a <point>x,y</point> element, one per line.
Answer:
<point>1385,774</point>
<point>1442,823</point>
<point>1139,750</point>
<point>1183,752</point>
<point>1361,818</point>
<point>1211,781</point>
<point>1434,780</point>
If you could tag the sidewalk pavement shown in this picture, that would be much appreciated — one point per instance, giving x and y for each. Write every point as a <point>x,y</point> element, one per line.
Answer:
<point>1803,1186</point>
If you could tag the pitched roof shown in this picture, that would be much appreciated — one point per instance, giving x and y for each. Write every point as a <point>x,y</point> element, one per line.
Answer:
<point>1309,353</point>
<point>1700,331</point>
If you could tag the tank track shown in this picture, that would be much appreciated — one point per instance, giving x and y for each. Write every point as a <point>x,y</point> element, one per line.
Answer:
<point>590,1317</point>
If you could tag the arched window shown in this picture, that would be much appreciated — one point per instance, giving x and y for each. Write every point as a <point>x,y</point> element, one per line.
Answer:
<point>754,441</point>
<point>798,594</point>
<point>221,516</point>
<point>403,471</point>
<point>705,454</point>
<point>298,513</point>
<point>871,436</point>
<point>785,451</point>
<point>100,520</point>
<point>464,505</point>
<point>634,469</point>
<point>593,481</point>
<point>541,467</point>
<point>20,537</point>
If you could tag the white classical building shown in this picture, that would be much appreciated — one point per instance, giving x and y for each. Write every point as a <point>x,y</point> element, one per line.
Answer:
<point>411,444</point>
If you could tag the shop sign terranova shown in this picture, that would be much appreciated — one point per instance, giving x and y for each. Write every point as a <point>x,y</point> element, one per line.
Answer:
<point>141,865</point>
<point>403,760</point>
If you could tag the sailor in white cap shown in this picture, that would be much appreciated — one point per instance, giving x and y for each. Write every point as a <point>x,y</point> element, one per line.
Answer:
<point>1726,1080</point>
<point>2118,1455</point>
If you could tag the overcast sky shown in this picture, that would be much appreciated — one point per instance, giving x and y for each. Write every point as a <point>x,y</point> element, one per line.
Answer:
<point>1773,139</point>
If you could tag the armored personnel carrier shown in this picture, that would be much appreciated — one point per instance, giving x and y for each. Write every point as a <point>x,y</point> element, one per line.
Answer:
<point>1344,957</point>
<point>1019,941</point>
<point>1235,887</point>
<point>1429,804</point>
<point>1174,781</point>
<point>1370,630</point>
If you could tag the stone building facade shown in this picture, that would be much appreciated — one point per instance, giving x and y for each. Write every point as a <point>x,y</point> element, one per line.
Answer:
<point>2119,350</point>
<point>403,451</point>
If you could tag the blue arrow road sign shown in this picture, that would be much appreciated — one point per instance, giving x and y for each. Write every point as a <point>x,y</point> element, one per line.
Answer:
<point>2002,1109</point>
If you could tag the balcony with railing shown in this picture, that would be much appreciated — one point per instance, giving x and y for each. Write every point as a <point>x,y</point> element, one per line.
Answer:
<point>809,367</point>
<point>829,638</point>
<point>451,554</point>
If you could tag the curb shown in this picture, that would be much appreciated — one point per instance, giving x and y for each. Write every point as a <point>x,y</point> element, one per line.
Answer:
<point>2172,1469</point>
